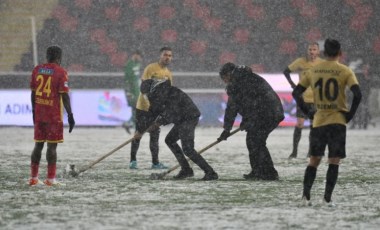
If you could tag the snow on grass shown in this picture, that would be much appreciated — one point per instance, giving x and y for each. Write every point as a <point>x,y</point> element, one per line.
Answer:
<point>111,196</point>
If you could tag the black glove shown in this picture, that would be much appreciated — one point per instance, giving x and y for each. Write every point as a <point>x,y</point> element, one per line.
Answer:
<point>154,126</point>
<point>347,115</point>
<point>224,135</point>
<point>242,126</point>
<point>70,117</point>
<point>308,111</point>
<point>33,115</point>
<point>161,120</point>
<point>310,114</point>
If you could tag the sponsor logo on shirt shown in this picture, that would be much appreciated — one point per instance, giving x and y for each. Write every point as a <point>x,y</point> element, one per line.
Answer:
<point>46,71</point>
<point>42,101</point>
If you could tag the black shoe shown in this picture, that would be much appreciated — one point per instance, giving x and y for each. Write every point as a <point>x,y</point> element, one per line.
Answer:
<point>293,155</point>
<point>210,176</point>
<point>269,177</point>
<point>251,176</point>
<point>183,174</point>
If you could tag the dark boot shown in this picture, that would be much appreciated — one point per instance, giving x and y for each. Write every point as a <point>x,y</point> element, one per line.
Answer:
<point>184,173</point>
<point>251,176</point>
<point>210,176</point>
<point>271,176</point>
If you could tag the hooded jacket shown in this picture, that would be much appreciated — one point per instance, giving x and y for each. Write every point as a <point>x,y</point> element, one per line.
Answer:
<point>253,98</point>
<point>169,103</point>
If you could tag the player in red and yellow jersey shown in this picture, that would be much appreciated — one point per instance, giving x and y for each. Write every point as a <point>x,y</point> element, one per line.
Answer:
<point>158,71</point>
<point>301,65</point>
<point>328,81</point>
<point>49,85</point>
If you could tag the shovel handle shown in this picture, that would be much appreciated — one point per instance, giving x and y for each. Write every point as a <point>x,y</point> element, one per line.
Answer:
<point>200,152</point>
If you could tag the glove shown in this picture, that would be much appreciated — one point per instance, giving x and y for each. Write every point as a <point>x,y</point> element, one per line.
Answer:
<point>153,127</point>
<point>242,126</point>
<point>33,116</point>
<point>161,120</point>
<point>310,114</point>
<point>70,117</point>
<point>308,111</point>
<point>347,115</point>
<point>224,135</point>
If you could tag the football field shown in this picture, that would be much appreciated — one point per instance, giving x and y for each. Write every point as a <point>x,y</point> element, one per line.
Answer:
<point>112,196</point>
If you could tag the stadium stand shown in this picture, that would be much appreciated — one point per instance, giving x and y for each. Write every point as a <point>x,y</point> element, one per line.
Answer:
<point>98,35</point>
<point>15,29</point>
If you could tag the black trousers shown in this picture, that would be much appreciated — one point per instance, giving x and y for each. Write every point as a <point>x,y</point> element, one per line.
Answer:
<point>185,132</point>
<point>143,121</point>
<point>259,156</point>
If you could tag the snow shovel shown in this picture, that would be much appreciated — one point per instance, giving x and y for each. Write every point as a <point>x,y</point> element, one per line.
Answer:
<point>71,170</point>
<point>160,176</point>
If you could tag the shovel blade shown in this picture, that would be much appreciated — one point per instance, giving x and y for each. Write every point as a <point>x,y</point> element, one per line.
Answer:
<point>71,170</point>
<point>157,176</point>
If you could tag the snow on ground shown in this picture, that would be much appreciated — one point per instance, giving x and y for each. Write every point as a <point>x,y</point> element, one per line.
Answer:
<point>111,196</point>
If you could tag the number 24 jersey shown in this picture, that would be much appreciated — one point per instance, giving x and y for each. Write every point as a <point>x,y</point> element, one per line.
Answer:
<point>48,81</point>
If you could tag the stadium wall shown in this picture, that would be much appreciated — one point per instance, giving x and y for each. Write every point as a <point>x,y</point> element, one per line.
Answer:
<point>98,99</point>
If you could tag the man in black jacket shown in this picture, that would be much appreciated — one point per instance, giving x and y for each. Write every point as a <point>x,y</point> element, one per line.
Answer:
<point>261,109</point>
<point>172,105</point>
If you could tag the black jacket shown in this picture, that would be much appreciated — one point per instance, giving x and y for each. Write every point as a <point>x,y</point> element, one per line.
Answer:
<point>253,98</point>
<point>172,105</point>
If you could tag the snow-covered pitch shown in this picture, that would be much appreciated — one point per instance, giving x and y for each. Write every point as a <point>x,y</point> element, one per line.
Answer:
<point>111,196</point>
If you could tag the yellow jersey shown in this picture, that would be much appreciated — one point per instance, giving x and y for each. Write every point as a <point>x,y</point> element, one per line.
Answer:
<point>301,65</point>
<point>153,71</point>
<point>328,81</point>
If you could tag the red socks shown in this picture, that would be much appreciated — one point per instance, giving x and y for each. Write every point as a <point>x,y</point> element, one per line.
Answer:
<point>51,171</point>
<point>34,169</point>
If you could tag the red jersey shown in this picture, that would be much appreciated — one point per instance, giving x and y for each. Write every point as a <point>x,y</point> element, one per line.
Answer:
<point>48,81</point>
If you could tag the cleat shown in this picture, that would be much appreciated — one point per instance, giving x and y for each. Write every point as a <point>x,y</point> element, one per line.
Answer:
<point>133,165</point>
<point>159,166</point>
<point>328,204</point>
<point>305,202</point>
<point>210,176</point>
<point>293,155</point>
<point>53,183</point>
<point>34,182</point>
<point>183,174</point>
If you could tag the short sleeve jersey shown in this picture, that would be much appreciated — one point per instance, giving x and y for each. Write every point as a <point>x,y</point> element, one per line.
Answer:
<point>153,71</point>
<point>328,81</point>
<point>301,65</point>
<point>48,81</point>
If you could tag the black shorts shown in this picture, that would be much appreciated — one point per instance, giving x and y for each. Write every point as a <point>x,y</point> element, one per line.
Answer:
<point>143,120</point>
<point>333,136</point>
<point>300,114</point>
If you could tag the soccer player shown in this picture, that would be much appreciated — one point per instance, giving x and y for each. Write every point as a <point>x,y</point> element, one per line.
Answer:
<point>171,105</point>
<point>132,83</point>
<point>157,70</point>
<point>49,85</point>
<point>301,65</point>
<point>328,81</point>
<point>261,109</point>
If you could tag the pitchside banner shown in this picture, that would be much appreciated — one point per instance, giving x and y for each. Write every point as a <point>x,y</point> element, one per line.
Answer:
<point>90,107</point>
<point>102,107</point>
